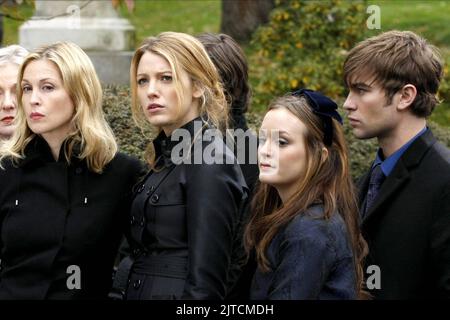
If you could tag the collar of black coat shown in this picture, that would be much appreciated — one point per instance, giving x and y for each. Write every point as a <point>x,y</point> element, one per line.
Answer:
<point>38,151</point>
<point>417,150</point>
<point>164,144</point>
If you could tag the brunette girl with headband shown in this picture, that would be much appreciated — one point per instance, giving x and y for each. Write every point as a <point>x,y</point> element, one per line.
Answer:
<point>304,229</point>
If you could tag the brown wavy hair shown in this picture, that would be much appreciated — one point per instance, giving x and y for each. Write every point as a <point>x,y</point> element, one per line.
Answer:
<point>327,180</point>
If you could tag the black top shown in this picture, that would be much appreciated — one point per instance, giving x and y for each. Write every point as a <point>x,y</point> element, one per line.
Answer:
<point>59,220</point>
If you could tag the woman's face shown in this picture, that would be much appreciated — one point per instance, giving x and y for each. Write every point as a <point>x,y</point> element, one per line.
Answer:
<point>157,95</point>
<point>8,99</point>
<point>282,151</point>
<point>48,107</point>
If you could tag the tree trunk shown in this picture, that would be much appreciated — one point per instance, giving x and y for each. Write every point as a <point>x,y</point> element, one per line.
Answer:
<point>240,18</point>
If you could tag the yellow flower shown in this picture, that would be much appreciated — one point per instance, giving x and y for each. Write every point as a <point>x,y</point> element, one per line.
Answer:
<point>294,83</point>
<point>299,45</point>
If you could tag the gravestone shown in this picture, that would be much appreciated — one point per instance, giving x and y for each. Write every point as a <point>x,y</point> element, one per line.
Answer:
<point>94,25</point>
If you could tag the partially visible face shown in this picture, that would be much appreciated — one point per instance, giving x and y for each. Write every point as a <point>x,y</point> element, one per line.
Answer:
<point>157,94</point>
<point>8,99</point>
<point>48,107</point>
<point>282,149</point>
<point>368,112</point>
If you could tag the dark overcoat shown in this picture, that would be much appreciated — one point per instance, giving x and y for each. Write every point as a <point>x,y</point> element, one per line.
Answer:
<point>408,226</point>
<point>59,221</point>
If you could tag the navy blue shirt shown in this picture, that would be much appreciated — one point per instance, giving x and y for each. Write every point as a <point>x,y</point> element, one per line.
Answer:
<point>311,258</point>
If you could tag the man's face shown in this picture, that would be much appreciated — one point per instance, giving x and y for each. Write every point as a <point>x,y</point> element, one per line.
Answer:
<point>368,110</point>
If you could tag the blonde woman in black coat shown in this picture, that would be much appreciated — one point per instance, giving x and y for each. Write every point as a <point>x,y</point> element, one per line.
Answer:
<point>185,214</point>
<point>64,188</point>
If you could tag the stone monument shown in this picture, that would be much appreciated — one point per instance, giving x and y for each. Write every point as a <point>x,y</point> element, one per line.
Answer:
<point>94,25</point>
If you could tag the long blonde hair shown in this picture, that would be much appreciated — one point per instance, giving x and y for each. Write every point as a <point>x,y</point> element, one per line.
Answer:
<point>183,52</point>
<point>92,132</point>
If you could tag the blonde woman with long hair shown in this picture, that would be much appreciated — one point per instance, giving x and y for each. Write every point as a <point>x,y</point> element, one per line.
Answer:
<point>184,236</point>
<point>65,191</point>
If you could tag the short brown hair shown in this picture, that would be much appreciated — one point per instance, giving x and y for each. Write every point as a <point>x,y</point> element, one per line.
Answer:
<point>395,58</point>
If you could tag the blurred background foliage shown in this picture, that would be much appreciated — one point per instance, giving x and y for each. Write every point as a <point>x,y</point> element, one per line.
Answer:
<point>303,44</point>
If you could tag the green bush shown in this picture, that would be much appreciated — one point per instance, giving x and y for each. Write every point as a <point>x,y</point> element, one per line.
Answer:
<point>132,141</point>
<point>304,45</point>
<point>117,107</point>
<point>442,112</point>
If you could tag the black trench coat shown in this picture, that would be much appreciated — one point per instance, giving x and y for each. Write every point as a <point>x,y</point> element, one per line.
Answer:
<point>186,232</point>
<point>54,216</point>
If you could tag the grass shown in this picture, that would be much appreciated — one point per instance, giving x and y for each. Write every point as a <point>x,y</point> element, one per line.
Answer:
<point>11,26</point>
<point>428,18</point>
<point>155,16</point>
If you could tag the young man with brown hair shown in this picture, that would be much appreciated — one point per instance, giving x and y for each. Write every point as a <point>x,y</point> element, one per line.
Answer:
<point>393,79</point>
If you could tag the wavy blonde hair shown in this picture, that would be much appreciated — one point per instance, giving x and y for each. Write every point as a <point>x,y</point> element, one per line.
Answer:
<point>92,132</point>
<point>182,52</point>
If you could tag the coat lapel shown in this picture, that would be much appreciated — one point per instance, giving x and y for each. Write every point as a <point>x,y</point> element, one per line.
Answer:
<point>400,175</point>
<point>390,186</point>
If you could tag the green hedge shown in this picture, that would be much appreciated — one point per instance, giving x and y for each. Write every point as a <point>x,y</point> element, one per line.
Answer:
<point>304,45</point>
<point>132,141</point>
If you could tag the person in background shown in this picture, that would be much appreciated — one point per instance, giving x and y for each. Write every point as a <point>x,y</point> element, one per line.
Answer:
<point>230,61</point>
<point>304,225</point>
<point>11,58</point>
<point>404,199</point>
<point>65,191</point>
<point>186,212</point>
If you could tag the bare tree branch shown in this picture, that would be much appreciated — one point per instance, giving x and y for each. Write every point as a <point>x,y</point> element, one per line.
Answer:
<point>66,14</point>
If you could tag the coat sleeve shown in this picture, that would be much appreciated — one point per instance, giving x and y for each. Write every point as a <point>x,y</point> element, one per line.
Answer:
<point>305,260</point>
<point>136,171</point>
<point>3,185</point>
<point>440,243</point>
<point>214,196</point>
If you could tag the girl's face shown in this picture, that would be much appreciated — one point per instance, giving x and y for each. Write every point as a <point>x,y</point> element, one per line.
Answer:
<point>48,107</point>
<point>282,151</point>
<point>157,95</point>
<point>8,99</point>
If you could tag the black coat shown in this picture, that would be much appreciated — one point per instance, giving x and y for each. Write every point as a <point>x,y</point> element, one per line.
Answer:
<point>54,215</point>
<point>185,223</point>
<point>408,226</point>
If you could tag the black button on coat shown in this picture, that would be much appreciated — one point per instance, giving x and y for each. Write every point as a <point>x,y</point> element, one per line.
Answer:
<point>190,242</point>
<point>54,216</point>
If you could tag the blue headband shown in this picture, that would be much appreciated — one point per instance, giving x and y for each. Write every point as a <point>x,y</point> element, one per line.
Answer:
<point>324,107</point>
